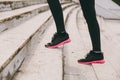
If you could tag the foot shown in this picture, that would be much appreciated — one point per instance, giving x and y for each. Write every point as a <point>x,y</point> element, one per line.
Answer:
<point>58,40</point>
<point>93,57</point>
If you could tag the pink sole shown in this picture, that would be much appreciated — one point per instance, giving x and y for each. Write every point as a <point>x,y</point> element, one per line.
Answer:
<point>93,62</point>
<point>62,43</point>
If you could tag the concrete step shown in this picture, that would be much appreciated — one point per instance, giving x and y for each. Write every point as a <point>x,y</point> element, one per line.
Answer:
<point>15,43</point>
<point>43,63</point>
<point>107,9</point>
<point>110,39</point>
<point>7,5</point>
<point>15,17</point>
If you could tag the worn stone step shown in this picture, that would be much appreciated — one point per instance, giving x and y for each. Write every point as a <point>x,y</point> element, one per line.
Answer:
<point>15,43</point>
<point>110,40</point>
<point>15,17</point>
<point>7,5</point>
<point>108,9</point>
<point>44,63</point>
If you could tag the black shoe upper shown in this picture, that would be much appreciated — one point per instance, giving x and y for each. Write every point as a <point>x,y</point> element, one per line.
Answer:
<point>58,38</point>
<point>92,56</point>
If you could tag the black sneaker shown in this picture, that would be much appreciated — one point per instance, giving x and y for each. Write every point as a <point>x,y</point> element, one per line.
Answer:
<point>93,57</point>
<point>58,40</point>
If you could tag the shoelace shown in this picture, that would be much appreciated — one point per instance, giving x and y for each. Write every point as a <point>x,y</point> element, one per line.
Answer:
<point>91,52</point>
<point>54,36</point>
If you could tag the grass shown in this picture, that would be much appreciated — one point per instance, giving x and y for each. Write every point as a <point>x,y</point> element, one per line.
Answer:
<point>117,1</point>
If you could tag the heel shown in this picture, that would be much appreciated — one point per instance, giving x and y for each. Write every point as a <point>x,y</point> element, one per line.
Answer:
<point>99,61</point>
<point>67,41</point>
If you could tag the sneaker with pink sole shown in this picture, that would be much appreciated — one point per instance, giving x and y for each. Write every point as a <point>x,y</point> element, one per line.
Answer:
<point>58,40</point>
<point>93,58</point>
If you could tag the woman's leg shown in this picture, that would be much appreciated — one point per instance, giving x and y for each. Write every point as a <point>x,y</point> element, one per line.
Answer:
<point>88,7</point>
<point>95,55</point>
<point>61,37</point>
<point>57,13</point>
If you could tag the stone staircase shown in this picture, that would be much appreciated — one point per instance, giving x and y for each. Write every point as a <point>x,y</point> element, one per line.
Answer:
<point>17,34</point>
<point>15,17</point>
<point>25,31</point>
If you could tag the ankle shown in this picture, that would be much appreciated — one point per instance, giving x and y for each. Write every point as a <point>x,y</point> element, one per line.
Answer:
<point>62,32</point>
<point>95,51</point>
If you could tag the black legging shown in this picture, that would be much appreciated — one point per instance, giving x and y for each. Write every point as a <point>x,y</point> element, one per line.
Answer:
<point>88,7</point>
<point>57,14</point>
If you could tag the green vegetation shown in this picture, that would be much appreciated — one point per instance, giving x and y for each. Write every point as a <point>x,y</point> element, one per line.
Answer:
<point>117,1</point>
